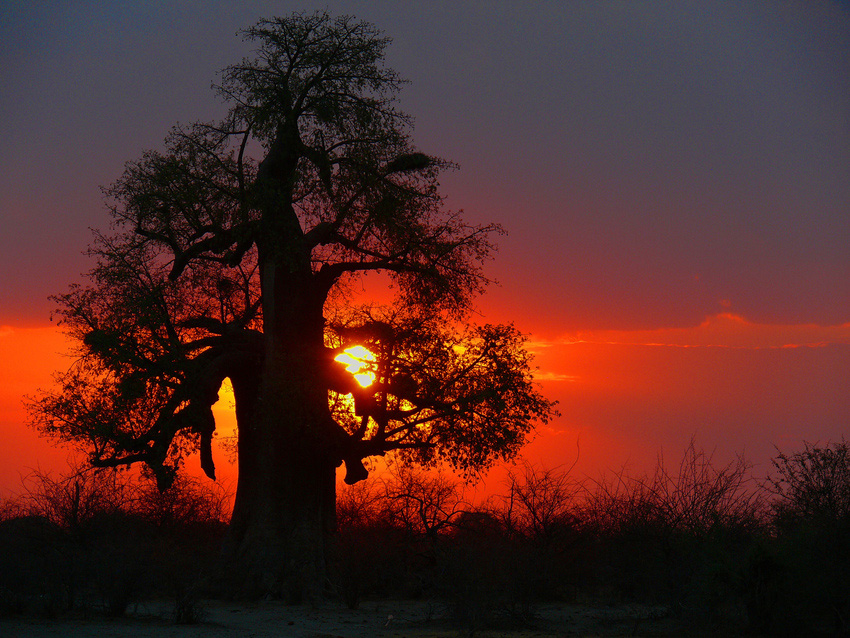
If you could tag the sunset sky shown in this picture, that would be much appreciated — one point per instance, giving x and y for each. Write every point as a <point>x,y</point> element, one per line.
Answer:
<point>674,177</point>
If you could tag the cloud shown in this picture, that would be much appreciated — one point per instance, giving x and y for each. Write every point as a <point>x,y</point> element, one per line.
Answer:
<point>554,376</point>
<point>725,330</point>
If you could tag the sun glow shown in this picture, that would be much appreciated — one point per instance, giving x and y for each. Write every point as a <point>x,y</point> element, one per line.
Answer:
<point>356,358</point>
<point>224,411</point>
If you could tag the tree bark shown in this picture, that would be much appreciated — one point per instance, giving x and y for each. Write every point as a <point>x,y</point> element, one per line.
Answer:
<point>285,499</point>
<point>288,447</point>
<point>286,494</point>
<point>281,521</point>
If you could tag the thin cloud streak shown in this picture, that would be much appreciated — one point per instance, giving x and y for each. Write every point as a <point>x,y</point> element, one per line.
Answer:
<point>724,330</point>
<point>555,376</point>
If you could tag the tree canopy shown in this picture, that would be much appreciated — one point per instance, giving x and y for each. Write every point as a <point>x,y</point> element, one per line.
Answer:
<point>236,252</point>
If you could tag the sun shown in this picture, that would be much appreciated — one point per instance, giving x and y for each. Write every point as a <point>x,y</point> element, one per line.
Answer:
<point>356,358</point>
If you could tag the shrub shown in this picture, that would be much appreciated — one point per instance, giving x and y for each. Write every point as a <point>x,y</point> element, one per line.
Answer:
<point>680,537</point>
<point>90,539</point>
<point>541,514</point>
<point>811,516</point>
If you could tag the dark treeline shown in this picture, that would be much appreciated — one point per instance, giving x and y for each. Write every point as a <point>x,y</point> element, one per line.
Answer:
<point>711,547</point>
<point>708,546</point>
<point>100,541</point>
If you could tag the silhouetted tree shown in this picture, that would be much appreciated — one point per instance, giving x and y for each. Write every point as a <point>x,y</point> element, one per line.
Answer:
<point>812,520</point>
<point>233,256</point>
<point>71,500</point>
<point>813,484</point>
<point>422,504</point>
<point>541,503</point>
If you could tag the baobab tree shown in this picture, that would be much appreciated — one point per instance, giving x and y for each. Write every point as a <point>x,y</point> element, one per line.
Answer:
<point>233,255</point>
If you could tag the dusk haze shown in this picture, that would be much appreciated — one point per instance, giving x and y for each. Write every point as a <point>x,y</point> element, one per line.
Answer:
<point>674,179</point>
<point>630,219</point>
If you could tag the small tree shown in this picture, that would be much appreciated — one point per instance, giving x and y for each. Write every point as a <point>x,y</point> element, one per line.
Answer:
<point>813,484</point>
<point>680,535</point>
<point>696,498</point>
<point>541,503</point>
<point>185,503</point>
<point>423,505</point>
<point>233,257</point>
<point>71,500</point>
<point>541,513</point>
<point>812,518</point>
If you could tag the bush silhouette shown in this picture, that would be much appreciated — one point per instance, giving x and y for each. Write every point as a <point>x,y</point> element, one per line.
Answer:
<point>100,541</point>
<point>700,542</point>
<point>811,518</point>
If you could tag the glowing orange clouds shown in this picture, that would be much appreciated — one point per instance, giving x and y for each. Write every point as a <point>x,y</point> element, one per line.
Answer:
<point>724,330</point>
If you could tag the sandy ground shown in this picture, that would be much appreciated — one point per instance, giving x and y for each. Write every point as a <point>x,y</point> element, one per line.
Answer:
<point>384,619</point>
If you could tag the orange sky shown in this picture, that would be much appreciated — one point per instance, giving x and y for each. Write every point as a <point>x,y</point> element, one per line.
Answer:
<point>625,396</point>
<point>735,386</point>
<point>28,358</point>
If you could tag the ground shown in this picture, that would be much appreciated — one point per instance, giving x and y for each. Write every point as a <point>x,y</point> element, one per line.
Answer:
<point>382,619</point>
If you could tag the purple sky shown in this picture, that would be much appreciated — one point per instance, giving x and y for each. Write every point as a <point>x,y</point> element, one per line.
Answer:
<point>650,160</point>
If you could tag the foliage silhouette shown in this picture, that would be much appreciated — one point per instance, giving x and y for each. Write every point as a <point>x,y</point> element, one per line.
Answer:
<point>614,544</point>
<point>234,255</point>
<point>811,516</point>
<point>89,540</point>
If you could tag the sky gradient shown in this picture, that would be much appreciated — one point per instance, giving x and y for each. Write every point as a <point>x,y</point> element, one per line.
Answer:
<point>674,177</point>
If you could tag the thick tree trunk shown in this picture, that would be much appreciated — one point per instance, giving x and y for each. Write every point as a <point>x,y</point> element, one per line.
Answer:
<point>285,499</point>
<point>280,523</point>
